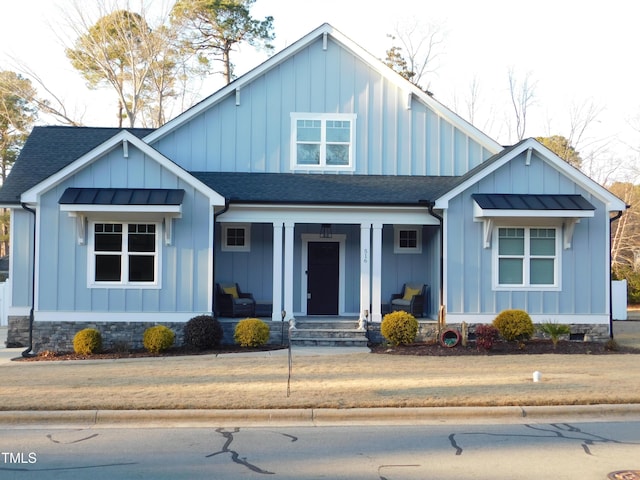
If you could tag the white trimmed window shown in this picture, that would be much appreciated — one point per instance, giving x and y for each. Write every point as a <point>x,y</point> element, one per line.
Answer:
<point>236,237</point>
<point>322,141</point>
<point>527,257</point>
<point>124,254</point>
<point>407,239</point>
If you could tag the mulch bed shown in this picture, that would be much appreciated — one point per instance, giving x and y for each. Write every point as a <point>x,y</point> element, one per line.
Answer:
<point>172,352</point>
<point>530,347</point>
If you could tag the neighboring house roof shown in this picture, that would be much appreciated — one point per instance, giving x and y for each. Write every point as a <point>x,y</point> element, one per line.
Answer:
<point>323,31</point>
<point>498,201</point>
<point>325,188</point>
<point>122,196</point>
<point>48,150</point>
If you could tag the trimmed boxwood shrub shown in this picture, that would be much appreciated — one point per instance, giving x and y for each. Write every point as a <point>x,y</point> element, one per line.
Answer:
<point>203,332</point>
<point>514,325</point>
<point>157,339</point>
<point>251,332</point>
<point>87,341</point>
<point>400,328</point>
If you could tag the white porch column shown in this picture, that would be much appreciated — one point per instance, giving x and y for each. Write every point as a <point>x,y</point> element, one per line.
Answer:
<point>277,273</point>
<point>376,274</point>
<point>288,269</point>
<point>365,269</point>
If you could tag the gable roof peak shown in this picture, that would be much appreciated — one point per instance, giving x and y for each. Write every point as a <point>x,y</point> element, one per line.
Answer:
<point>345,42</point>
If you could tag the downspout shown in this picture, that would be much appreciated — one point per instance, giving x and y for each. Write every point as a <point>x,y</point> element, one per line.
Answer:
<point>213,257</point>
<point>430,206</point>
<point>611,220</point>
<point>29,351</point>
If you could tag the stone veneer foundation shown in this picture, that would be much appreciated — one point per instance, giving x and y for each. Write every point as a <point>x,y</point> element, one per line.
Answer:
<point>428,331</point>
<point>58,336</point>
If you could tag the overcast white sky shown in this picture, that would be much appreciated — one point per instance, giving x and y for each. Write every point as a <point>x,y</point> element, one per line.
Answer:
<point>575,51</point>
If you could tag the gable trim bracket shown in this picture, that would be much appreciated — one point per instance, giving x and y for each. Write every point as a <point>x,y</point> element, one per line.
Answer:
<point>569,227</point>
<point>487,224</point>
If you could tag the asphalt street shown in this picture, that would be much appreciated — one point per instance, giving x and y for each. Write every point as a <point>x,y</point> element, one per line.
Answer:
<point>563,451</point>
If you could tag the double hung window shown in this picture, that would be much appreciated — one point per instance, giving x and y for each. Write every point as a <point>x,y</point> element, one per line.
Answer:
<point>323,141</point>
<point>124,254</point>
<point>527,257</point>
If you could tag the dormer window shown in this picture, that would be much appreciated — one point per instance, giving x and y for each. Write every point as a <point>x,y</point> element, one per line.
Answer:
<point>321,141</point>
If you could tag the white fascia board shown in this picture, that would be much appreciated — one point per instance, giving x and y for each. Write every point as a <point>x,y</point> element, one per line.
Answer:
<point>32,195</point>
<point>479,212</point>
<point>86,208</point>
<point>347,214</point>
<point>613,203</point>
<point>375,63</point>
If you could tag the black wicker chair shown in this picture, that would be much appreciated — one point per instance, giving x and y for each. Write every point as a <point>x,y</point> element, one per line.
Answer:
<point>412,299</point>
<point>232,302</point>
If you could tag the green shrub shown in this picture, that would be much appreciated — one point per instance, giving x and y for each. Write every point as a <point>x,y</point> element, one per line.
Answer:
<point>514,325</point>
<point>554,330</point>
<point>486,336</point>
<point>157,339</point>
<point>203,332</point>
<point>87,341</point>
<point>400,328</point>
<point>251,332</point>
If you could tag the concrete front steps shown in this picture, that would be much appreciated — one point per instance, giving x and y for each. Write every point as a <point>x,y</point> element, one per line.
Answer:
<point>327,332</point>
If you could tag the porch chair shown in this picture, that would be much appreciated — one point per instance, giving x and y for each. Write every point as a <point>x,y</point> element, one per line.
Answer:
<point>412,299</point>
<point>232,302</point>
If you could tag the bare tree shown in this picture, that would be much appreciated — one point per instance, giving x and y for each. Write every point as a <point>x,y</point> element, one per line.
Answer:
<point>420,47</point>
<point>522,94</point>
<point>138,57</point>
<point>44,98</point>
<point>212,29</point>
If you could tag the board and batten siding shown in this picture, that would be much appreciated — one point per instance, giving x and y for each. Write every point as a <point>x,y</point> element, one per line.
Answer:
<point>62,279</point>
<point>469,264</point>
<point>396,132</point>
<point>21,257</point>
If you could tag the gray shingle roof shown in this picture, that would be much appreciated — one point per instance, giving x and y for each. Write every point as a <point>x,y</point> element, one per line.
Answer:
<point>49,149</point>
<point>325,188</point>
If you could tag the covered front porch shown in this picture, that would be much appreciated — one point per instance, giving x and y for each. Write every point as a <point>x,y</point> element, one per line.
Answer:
<point>339,261</point>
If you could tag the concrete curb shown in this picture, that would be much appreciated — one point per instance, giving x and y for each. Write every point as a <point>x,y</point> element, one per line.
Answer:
<point>311,417</point>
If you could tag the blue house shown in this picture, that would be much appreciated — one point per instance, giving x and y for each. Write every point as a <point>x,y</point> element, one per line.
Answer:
<point>321,182</point>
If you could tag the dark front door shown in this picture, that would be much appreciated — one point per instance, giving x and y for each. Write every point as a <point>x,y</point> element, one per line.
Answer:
<point>323,275</point>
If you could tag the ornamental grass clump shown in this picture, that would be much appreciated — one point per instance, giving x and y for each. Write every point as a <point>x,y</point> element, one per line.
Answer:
<point>87,341</point>
<point>158,339</point>
<point>251,332</point>
<point>203,332</point>
<point>399,328</point>
<point>555,331</point>
<point>514,325</point>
